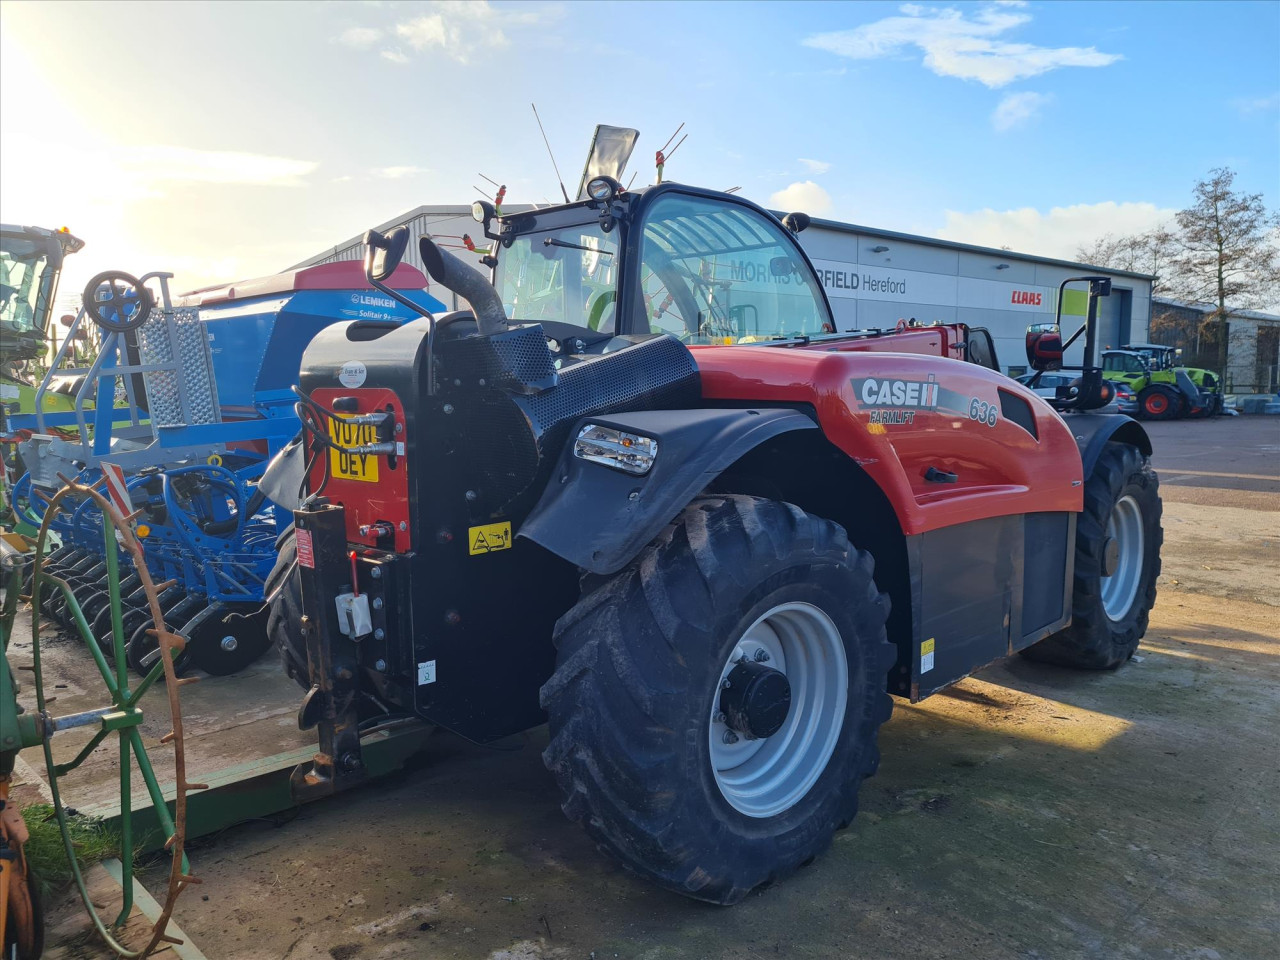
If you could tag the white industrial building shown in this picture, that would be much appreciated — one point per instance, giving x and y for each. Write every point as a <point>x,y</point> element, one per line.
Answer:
<point>875,277</point>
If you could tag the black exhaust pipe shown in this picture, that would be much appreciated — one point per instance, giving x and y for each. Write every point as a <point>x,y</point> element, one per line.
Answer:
<point>454,274</point>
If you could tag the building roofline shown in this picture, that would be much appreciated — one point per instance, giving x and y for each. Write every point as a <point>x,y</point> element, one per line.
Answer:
<point>464,210</point>
<point>842,227</point>
<point>444,211</point>
<point>1210,308</point>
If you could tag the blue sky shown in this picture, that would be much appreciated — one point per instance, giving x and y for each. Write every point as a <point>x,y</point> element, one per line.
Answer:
<point>222,140</point>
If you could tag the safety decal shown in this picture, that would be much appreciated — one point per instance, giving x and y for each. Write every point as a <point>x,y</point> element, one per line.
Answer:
<point>426,672</point>
<point>926,656</point>
<point>489,538</point>
<point>306,551</point>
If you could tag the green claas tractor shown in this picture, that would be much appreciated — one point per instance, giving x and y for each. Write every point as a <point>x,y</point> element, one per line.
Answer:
<point>30,264</point>
<point>1165,391</point>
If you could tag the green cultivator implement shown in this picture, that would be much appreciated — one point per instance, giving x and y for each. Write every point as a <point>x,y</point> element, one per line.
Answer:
<point>119,718</point>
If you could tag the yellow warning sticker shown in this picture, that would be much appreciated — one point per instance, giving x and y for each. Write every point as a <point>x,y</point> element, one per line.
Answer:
<point>489,538</point>
<point>926,656</point>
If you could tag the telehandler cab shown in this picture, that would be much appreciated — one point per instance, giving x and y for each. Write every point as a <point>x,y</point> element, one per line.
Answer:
<point>643,493</point>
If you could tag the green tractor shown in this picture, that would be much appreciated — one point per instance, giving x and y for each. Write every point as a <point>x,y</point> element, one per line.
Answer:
<point>30,264</point>
<point>1165,391</point>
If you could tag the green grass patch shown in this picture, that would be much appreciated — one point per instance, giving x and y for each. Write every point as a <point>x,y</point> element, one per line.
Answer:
<point>47,857</point>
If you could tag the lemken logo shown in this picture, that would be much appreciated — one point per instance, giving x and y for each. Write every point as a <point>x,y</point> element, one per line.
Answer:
<point>368,300</point>
<point>1027,297</point>
<point>897,393</point>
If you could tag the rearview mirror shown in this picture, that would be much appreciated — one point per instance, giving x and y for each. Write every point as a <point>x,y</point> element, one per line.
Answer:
<point>796,222</point>
<point>782,266</point>
<point>1044,347</point>
<point>384,253</point>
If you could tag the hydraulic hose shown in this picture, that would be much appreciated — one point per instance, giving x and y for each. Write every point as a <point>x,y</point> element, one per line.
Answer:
<point>453,273</point>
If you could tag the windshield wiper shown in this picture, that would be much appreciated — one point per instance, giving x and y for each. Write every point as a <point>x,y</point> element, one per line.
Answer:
<point>553,242</point>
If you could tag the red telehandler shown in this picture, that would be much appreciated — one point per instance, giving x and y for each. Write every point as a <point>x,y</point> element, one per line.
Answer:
<point>641,492</point>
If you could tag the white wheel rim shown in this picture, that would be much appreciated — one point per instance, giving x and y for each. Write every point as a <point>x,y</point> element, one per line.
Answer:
<point>765,777</point>
<point>1119,590</point>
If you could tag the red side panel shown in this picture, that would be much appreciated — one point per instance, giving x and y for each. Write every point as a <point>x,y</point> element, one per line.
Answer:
<point>899,415</point>
<point>374,489</point>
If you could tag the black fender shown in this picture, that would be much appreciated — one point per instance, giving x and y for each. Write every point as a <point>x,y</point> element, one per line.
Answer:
<point>599,518</point>
<point>1094,430</point>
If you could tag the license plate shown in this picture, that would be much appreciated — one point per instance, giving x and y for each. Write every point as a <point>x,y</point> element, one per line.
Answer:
<point>352,466</point>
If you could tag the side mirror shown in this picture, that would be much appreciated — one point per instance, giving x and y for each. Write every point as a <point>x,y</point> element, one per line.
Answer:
<point>1044,347</point>
<point>796,222</point>
<point>782,266</point>
<point>383,253</point>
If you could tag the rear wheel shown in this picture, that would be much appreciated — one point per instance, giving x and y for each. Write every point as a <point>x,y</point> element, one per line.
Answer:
<point>1117,561</point>
<point>1158,402</point>
<point>716,704</point>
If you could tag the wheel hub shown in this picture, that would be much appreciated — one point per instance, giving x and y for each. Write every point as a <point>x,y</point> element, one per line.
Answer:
<point>756,700</point>
<point>1110,556</point>
<point>778,710</point>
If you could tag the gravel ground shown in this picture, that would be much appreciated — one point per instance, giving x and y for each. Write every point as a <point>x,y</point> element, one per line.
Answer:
<point>1029,812</point>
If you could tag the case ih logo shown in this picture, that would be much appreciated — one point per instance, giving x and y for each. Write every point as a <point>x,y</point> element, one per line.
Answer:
<point>920,394</point>
<point>1026,297</point>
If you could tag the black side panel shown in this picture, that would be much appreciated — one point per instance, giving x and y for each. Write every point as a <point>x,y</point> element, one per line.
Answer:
<point>986,589</point>
<point>598,518</point>
<point>971,591</point>
<point>1046,555</point>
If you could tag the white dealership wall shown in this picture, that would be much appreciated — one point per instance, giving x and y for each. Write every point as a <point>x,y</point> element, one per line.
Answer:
<point>874,278</point>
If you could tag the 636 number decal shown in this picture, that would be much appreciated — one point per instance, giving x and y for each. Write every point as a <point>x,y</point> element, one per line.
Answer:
<point>983,412</point>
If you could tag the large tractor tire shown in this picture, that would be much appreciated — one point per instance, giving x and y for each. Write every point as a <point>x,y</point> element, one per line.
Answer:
<point>1118,538</point>
<point>283,591</point>
<point>715,705</point>
<point>1158,402</point>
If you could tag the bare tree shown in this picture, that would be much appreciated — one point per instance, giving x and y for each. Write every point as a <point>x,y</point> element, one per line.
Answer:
<point>1151,253</point>
<point>1226,250</point>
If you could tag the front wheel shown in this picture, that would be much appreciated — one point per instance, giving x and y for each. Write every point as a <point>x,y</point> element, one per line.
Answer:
<point>1117,561</point>
<point>716,704</point>
<point>1158,402</point>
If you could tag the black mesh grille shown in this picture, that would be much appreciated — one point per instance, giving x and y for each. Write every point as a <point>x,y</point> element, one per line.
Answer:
<point>517,360</point>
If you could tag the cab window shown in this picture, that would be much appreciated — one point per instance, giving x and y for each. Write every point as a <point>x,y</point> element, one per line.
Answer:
<point>718,273</point>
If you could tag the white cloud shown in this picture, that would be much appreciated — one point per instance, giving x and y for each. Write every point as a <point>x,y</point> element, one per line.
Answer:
<point>815,166</point>
<point>1251,105</point>
<point>1057,233</point>
<point>805,196</point>
<point>362,38</point>
<point>398,173</point>
<point>957,44</point>
<point>1017,108</point>
<point>167,163</point>
<point>461,28</point>
<point>395,56</point>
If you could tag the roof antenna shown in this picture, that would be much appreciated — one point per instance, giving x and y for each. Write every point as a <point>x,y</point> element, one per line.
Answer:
<point>550,154</point>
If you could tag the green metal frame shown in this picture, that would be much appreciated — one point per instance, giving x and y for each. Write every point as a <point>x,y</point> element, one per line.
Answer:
<point>121,718</point>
